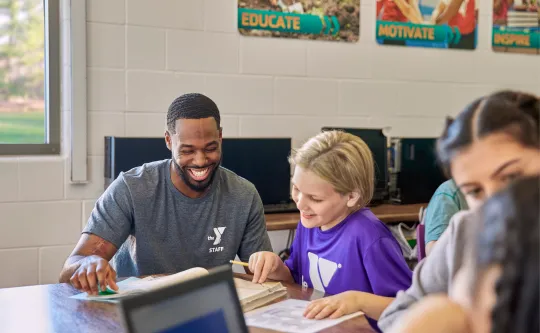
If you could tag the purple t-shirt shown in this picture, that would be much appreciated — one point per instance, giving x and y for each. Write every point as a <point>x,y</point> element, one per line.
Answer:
<point>360,253</point>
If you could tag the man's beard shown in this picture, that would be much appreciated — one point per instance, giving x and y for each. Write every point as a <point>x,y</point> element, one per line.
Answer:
<point>198,186</point>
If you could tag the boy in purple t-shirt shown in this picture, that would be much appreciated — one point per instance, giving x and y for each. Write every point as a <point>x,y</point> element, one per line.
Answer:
<point>340,247</point>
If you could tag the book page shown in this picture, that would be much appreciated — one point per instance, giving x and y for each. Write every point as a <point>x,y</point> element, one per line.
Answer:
<point>288,316</point>
<point>135,285</point>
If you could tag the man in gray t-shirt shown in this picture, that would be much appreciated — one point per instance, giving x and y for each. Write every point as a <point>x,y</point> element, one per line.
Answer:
<point>171,215</point>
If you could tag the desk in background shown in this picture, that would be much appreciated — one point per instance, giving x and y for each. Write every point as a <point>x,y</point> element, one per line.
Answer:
<point>386,213</point>
<point>48,309</point>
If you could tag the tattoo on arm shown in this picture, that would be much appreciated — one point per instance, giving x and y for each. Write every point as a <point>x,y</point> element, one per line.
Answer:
<point>102,248</point>
<point>94,245</point>
<point>88,245</point>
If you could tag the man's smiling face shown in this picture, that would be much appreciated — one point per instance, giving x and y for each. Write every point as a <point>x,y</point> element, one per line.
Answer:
<point>196,151</point>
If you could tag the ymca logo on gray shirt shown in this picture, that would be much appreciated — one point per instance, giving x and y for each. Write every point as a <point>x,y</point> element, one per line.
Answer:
<point>217,239</point>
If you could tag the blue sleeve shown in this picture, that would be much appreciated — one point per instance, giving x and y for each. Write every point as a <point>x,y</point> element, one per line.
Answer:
<point>293,261</point>
<point>112,216</point>
<point>386,268</point>
<point>440,210</point>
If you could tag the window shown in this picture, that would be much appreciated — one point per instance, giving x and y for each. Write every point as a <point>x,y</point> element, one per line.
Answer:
<point>29,77</point>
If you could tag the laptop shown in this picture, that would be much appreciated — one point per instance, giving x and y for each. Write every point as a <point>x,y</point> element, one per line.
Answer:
<point>206,304</point>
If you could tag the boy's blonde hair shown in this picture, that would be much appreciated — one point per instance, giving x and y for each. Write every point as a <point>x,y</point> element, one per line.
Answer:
<point>342,159</point>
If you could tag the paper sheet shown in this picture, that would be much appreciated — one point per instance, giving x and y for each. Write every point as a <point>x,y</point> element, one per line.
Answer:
<point>287,316</point>
<point>126,287</point>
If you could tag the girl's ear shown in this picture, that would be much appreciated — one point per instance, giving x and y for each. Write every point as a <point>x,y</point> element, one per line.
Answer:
<point>353,199</point>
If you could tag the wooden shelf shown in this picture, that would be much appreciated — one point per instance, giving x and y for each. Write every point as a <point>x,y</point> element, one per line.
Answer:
<point>386,213</point>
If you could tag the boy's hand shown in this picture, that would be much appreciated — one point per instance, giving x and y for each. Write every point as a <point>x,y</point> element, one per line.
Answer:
<point>263,263</point>
<point>333,306</point>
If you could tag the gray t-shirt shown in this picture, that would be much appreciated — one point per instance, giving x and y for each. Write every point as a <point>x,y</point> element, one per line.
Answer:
<point>157,229</point>
<point>434,274</point>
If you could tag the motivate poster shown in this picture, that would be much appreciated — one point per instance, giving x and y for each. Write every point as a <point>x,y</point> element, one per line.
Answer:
<point>331,20</point>
<point>516,26</point>
<point>448,24</point>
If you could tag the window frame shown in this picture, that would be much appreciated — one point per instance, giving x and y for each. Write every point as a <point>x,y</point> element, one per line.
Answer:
<point>52,90</point>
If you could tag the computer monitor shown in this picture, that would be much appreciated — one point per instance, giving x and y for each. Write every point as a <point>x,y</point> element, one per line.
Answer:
<point>419,174</point>
<point>262,161</point>
<point>377,143</point>
<point>206,304</point>
<point>123,154</point>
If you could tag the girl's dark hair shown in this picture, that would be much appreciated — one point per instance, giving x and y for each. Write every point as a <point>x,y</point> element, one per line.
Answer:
<point>509,236</point>
<point>515,113</point>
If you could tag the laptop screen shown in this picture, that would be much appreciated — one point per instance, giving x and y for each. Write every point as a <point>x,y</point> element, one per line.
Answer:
<point>205,309</point>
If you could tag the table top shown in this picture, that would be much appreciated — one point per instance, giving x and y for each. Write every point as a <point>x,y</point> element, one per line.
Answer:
<point>48,309</point>
<point>387,213</point>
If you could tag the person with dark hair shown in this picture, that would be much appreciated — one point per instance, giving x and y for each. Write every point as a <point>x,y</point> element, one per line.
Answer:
<point>171,215</point>
<point>497,289</point>
<point>495,140</point>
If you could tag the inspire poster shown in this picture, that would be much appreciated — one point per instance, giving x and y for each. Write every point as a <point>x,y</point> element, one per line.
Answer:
<point>448,24</point>
<point>516,26</point>
<point>329,20</point>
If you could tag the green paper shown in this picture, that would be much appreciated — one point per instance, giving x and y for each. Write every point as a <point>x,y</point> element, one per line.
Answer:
<point>108,291</point>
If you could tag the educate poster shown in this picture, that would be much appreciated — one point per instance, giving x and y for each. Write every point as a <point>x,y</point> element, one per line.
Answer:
<point>448,24</point>
<point>331,20</point>
<point>516,26</point>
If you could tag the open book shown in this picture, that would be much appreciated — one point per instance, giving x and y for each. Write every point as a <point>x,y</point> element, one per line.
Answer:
<point>251,295</point>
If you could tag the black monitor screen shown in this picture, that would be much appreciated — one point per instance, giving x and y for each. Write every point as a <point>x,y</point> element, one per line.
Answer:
<point>376,142</point>
<point>420,174</point>
<point>264,163</point>
<point>124,154</point>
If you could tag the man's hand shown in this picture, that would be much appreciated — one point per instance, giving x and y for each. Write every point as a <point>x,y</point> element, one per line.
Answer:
<point>263,264</point>
<point>94,275</point>
<point>333,306</point>
<point>88,265</point>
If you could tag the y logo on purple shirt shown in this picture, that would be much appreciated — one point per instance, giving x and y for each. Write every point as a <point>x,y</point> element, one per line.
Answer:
<point>321,272</point>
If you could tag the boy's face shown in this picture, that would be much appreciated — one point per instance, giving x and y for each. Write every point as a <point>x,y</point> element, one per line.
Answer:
<point>319,204</point>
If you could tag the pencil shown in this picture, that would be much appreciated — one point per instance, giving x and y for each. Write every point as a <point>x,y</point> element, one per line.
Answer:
<point>239,263</point>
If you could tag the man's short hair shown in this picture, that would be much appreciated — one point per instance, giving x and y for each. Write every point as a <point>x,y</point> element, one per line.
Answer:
<point>192,106</point>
